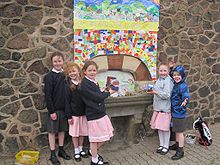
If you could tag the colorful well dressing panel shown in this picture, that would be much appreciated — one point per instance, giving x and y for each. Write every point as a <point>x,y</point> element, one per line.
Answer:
<point>116,27</point>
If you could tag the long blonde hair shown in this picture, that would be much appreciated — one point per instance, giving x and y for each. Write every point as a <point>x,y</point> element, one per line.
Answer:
<point>69,67</point>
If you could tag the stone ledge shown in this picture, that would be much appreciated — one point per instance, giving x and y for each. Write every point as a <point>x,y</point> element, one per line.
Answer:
<point>127,105</point>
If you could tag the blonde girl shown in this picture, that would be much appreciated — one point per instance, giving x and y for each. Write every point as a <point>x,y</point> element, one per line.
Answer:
<point>75,109</point>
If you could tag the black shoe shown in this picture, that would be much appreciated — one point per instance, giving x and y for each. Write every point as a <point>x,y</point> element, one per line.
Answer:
<point>164,151</point>
<point>174,146</point>
<point>77,157</point>
<point>178,155</point>
<point>92,163</point>
<point>54,160</point>
<point>63,154</point>
<point>99,156</point>
<point>83,154</point>
<point>159,149</point>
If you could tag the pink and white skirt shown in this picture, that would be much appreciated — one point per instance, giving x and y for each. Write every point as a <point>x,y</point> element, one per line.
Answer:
<point>79,126</point>
<point>100,130</point>
<point>161,121</point>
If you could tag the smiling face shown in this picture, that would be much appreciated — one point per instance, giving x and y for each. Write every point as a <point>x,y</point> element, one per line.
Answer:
<point>57,62</point>
<point>91,72</point>
<point>163,71</point>
<point>177,77</point>
<point>74,74</point>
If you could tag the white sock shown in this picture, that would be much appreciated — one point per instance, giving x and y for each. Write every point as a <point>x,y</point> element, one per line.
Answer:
<point>166,136</point>
<point>80,148</point>
<point>76,150</point>
<point>95,159</point>
<point>160,134</point>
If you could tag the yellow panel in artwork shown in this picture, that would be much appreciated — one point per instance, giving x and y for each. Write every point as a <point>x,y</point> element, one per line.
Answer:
<point>115,25</point>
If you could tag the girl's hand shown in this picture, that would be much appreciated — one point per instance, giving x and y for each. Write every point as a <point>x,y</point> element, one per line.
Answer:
<point>152,92</point>
<point>112,91</point>
<point>171,64</point>
<point>70,121</point>
<point>184,102</point>
<point>53,116</point>
<point>106,89</point>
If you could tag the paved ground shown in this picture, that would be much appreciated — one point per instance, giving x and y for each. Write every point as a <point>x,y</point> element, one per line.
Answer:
<point>144,153</point>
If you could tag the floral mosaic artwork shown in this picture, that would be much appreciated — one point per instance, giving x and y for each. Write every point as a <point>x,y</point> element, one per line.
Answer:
<point>116,27</point>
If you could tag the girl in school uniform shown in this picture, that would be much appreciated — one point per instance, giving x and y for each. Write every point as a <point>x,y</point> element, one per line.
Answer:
<point>75,109</point>
<point>161,117</point>
<point>55,101</point>
<point>99,125</point>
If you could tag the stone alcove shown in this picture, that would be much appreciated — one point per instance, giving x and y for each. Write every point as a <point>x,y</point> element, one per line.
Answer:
<point>126,111</point>
<point>126,63</point>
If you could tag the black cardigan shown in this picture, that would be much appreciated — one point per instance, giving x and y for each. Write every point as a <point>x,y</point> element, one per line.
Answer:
<point>54,91</point>
<point>74,105</point>
<point>94,99</point>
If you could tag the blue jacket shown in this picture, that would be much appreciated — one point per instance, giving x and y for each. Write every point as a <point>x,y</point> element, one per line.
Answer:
<point>179,94</point>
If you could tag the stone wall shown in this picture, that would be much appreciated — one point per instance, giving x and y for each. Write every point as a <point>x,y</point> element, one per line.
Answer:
<point>189,34</point>
<point>30,30</point>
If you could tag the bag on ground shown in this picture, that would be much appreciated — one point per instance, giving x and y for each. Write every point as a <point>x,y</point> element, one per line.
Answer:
<point>205,137</point>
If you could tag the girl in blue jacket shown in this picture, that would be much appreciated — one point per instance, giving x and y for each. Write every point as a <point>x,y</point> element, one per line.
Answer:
<point>179,99</point>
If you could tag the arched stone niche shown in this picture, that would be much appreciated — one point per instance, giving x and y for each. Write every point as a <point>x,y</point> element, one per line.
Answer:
<point>126,68</point>
<point>125,63</point>
<point>125,112</point>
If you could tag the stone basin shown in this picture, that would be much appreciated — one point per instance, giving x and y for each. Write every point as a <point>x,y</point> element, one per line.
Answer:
<point>126,115</point>
<point>127,105</point>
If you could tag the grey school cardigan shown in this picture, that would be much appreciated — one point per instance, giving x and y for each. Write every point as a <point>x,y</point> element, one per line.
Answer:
<point>162,100</point>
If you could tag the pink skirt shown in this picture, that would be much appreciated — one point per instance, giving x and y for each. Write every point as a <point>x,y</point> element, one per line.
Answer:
<point>161,121</point>
<point>79,126</point>
<point>100,130</point>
